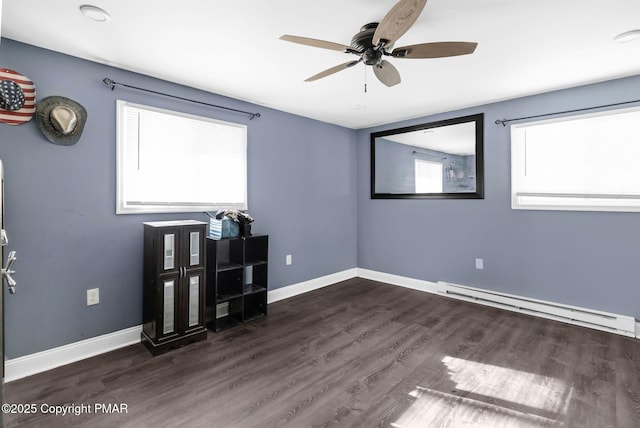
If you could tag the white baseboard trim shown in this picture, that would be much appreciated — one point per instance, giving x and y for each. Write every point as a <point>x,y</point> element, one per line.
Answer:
<point>28,365</point>
<point>401,281</point>
<point>310,285</point>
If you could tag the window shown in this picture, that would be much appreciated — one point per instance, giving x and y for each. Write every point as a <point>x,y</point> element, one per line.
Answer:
<point>586,163</point>
<point>175,162</point>
<point>428,176</point>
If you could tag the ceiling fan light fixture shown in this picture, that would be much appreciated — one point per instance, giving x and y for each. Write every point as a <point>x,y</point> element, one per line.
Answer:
<point>627,36</point>
<point>94,13</point>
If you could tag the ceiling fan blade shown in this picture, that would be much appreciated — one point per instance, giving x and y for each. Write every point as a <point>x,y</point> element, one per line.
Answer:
<point>387,73</point>
<point>332,70</point>
<point>315,43</point>
<point>397,21</point>
<point>435,50</point>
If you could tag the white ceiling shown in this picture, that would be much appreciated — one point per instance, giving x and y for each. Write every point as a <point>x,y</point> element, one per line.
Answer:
<point>232,48</point>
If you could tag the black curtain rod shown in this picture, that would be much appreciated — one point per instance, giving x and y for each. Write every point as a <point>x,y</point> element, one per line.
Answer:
<point>415,152</point>
<point>505,121</point>
<point>113,84</point>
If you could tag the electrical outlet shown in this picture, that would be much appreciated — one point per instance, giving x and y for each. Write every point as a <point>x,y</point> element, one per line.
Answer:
<point>479,264</point>
<point>288,259</point>
<point>93,296</point>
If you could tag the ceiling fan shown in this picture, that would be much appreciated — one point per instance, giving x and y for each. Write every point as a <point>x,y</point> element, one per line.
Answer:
<point>376,40</point>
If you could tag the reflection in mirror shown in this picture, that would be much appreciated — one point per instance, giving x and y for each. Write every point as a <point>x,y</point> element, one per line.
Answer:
<point>441,159</point>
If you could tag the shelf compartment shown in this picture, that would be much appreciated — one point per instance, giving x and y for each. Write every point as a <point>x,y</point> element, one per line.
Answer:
<point>256,249</point>
<point>255,275</point>
<point>255,306</point>
<point>229,283</point>
<point>227,252</point>
<point>228,314</point>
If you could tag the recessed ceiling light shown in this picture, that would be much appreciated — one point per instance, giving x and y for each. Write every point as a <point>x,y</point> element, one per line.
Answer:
<point>627,37</point>
<point>94,12</point>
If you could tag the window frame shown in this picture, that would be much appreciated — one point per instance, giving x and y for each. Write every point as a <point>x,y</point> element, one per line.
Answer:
<point>124,206</point>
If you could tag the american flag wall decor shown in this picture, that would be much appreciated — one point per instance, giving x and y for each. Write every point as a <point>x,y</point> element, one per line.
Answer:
<point>16,108</point>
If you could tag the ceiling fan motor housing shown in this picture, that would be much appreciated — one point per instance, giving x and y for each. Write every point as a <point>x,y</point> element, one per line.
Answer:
<point>364,39</point>
<point>363,43</point>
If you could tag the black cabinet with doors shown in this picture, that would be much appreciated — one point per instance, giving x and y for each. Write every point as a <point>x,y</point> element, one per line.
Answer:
<point>174,284</point>
<point>236,280</point>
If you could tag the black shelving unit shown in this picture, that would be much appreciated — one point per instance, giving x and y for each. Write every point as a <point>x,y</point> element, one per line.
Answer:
<point>236,280</point>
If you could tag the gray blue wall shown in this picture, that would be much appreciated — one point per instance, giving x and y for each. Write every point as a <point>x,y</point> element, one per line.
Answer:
<point>60,201</point>
<point>588,259</point>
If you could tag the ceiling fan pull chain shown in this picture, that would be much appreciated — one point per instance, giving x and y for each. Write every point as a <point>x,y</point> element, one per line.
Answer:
<point>365,80</point>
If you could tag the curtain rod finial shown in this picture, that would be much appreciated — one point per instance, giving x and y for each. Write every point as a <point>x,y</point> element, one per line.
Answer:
<point>109,82</point>
<point>502,122</point>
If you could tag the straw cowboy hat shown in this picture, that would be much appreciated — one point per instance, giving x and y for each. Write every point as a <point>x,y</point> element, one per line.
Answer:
<point>61,119</point>
<point>17,97</point>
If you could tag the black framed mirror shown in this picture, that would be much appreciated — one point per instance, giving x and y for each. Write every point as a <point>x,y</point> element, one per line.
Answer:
<point>436,160</point>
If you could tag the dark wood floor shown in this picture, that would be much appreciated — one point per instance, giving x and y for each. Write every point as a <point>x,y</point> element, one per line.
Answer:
<point>358,354</point>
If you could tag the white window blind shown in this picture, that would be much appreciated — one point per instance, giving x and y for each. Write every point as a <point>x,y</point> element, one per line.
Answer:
<point>587,162</point>
<point>175,162</point>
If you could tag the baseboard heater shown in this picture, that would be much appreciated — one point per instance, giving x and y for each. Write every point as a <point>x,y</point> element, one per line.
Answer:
<point>620,324</point>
